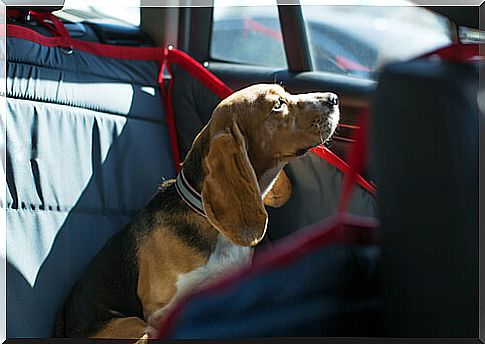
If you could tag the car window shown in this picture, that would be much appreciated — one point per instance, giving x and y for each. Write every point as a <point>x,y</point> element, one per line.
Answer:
<point>357,40</point>
<point>353,40</point>
<point>127,12</point>
<point>250,35</point>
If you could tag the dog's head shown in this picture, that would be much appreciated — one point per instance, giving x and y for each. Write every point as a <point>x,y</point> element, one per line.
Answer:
<point>252,134</point>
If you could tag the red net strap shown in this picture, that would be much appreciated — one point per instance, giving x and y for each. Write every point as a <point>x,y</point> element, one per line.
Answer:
<point>167,101</point>
<point>457,52</point>
<point>198,71</point>
<point>327,155</point>
<point>54,25</point>
<point>357,160</point>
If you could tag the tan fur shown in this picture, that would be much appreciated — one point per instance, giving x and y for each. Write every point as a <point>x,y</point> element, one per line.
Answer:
<point>162,257</point>
<point>280,191</point>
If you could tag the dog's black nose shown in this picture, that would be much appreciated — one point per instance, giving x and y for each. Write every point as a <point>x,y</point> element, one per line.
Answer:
<point>332,99</point>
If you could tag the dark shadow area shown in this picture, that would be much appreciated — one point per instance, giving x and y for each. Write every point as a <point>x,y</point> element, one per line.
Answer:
<point>425,158</point>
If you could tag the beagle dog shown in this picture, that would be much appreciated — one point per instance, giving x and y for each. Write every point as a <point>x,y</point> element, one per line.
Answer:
<point>206,221</point>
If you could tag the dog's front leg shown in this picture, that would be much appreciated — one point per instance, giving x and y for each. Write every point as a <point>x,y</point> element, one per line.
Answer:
<point>186,284</point>
<point>156,319</point>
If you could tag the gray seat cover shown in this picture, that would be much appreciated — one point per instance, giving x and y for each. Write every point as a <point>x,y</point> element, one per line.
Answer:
<point>87,145</point>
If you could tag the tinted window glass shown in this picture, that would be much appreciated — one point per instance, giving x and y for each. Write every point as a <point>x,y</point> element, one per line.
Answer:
<point>356,40</point>
<point>343,39</point>
<point>250,35</point>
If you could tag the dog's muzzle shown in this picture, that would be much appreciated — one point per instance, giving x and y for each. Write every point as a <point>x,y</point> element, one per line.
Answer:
<point>329,118</point>
<point>332,100</point>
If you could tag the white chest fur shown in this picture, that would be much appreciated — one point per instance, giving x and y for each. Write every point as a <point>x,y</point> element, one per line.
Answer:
<point>225,258</point>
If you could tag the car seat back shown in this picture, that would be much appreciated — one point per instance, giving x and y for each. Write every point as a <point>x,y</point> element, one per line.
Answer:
<point>87,144</point>
<point>425,161</point>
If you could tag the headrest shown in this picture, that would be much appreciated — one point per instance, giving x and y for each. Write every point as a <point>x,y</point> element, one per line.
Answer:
<point>35,5</point>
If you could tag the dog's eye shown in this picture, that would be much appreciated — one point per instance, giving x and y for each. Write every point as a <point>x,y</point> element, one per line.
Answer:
<point>279,106</point>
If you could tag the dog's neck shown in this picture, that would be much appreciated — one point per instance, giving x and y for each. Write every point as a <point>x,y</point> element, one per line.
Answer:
<point>195,170</point>
<point>193,165</point>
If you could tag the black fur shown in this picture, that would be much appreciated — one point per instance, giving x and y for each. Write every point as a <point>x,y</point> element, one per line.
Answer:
<point>106,290</point>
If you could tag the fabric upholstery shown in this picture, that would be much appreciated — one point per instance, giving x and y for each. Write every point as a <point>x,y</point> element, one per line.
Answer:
<point>87,145</point>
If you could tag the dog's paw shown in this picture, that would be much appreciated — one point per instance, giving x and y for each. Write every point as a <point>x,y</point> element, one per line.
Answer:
<point>157,316</point>
<point>143,339</point>
<point>151,332</point>
<point>154,322</point>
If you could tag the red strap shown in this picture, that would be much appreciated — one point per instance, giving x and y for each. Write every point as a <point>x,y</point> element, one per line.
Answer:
<point>174,56</point>
<point>55,27</point>
<point>100,49</point>
<point>167,97</point>
<point>195,69</point>
<point>457,52</point>
<point>357,159</point>
<point>327,155</point>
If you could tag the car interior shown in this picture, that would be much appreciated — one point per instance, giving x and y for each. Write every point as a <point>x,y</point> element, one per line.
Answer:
<point>380,237</point>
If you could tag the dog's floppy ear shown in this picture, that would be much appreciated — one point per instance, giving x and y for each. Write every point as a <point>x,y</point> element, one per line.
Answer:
<point>280,191</point>
<point>231,195</point>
